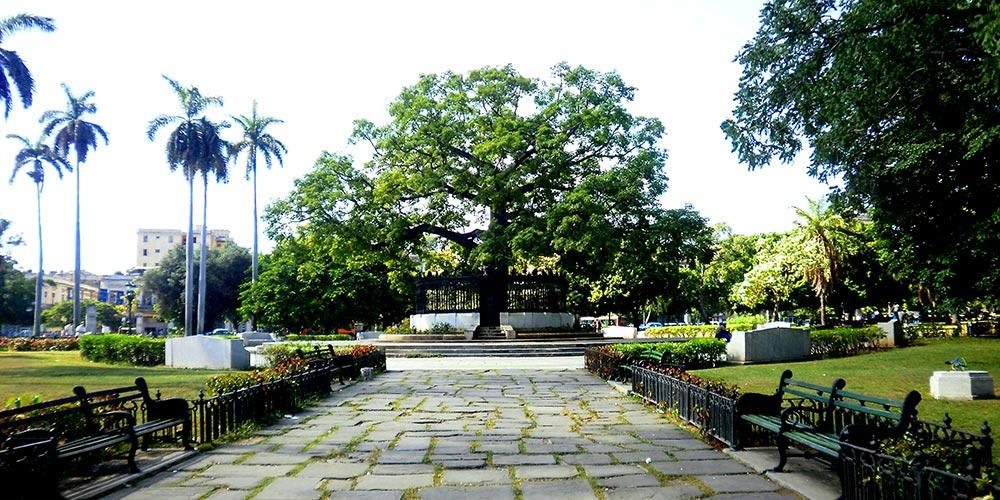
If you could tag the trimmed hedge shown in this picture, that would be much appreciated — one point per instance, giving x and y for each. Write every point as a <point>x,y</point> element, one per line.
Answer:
<point>693,353</point>
<point>676,331</point>
<point>282,354</point>
<point>27,344</point>
<point>123,349</point>
<point>297,338</point>
<point>836,342</point>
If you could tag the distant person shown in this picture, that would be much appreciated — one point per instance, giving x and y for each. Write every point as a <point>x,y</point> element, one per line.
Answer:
<point>722,334</point>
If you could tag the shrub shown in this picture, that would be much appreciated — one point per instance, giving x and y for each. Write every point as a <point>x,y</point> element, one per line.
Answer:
<point>442,329</point>
<point>124,349</point>
<point>281,354</point>
<point>402,328</point>
<point>296,337</point>
<point>835,342</point>
<point>27,344</point>
<point>233,381</point>
<point>669,332</point>
<point>744,322</point>
<point>692,353</point>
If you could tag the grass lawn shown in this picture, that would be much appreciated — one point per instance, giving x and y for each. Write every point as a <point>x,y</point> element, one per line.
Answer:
<point>890,374</point>
<point>53,374</point>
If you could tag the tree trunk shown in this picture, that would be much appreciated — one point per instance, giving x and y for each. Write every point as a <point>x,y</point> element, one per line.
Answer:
<point>76,269</point>
<point>36,329</point>
<point>253,262</point>
<point>201,262</point>
<point>189,264</point>
<point>822,309</point>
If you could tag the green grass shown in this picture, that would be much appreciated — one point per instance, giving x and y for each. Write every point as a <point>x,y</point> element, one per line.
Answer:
<point>52,375</point>
<point>890,374</point>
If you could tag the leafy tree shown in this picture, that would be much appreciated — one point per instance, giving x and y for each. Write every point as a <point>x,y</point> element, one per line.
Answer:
<point>256,140</point>
<point>775,280</point>
<point>37,155</point>
<point>226,269</point>
<point>309,284</point>
<point>74,133</point>
<point>11,64</point>
<point>483,160</point>
<point>15,290</point>
<point>62,313</point>
<point>823,236</point>
<point>732,257</point>
<point>193,146</point>
<point>898,99</point>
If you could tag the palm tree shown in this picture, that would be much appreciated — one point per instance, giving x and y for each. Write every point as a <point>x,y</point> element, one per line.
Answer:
<point>37,155</point>
<point>187,150</point>
<point>822,233</point>
<point>256,140</point>
<point>76,134</point>
<point>215,150</point>
<point>11,64</point>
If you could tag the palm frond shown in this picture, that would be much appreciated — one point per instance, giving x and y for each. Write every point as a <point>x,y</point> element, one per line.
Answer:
<point>22,22</point>
<point>159,122</point>
<point>21,77</point>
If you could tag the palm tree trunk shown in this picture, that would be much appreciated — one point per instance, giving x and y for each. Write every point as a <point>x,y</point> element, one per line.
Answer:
<point>201,262</point>
<point>76,269</point>
<point>36,329</point>
<point>253,264</point>
<point>189,264</point>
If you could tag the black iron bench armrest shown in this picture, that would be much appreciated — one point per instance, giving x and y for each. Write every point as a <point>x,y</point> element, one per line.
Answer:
<point>753,403</point>
<point>789,420</point>
<point>117,415</point>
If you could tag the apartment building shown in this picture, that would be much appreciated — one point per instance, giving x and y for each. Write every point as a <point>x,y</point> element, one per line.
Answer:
<point>152,245</point>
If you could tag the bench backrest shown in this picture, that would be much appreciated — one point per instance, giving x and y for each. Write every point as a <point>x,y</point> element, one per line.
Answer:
<point>129,398</point>
<point>811,395</point>
<point>894,416</point>
<point>62,413</point>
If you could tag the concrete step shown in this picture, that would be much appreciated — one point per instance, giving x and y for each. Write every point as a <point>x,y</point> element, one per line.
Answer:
<point>500,348</point>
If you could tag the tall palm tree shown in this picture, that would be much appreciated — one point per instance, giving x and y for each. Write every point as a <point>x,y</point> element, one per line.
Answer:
<point>216,163</point>
<point>76,134</point>
<point>37,155</point>
<point>255,140</point>
<point>12,65</point>
<point>822,232</point>
<point>186,149</point>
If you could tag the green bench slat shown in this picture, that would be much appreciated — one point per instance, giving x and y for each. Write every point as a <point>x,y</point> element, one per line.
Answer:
<point>871,399</point>
<point>808,395</point>
<point>156,425</point>
<point>766,421</point>
<point>866,409</point>
<point>808,385</point>
<point>822,443</point>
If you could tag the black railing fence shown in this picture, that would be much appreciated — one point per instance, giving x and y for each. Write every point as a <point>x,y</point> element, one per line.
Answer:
<point>713,413</point>
<point>522,293</point>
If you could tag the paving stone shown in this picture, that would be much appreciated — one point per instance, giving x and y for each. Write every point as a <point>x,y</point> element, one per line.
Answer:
<point>208,459</point>
<point>576,489</point>
<point>338,484</point>
<point>698,467</point>
<point>677,491</point>
<point>333,470</point>
<point>698,455</point>
<point>260,471</point>
<point>274,459</point>
<point>523,460</point>
<point>738,483</point>
<point>545,472</point>
<point>401,457</point>
<point>499,446</point>
<point>641,456</point>
<point>461,463</point>
<point>477,476</point>
<point>683,444</point>
<point>400,482</point>
<point>777,495</point>
<point>290,488</point>
<point>585,459</point>
<point>367,495</point>
<point>612,470</point>
<point>233,482</point>
<point>186,492</point>
<point>630,481</point>
<point>396,469</point>
<point>228,495</point>
<point>463,493</point>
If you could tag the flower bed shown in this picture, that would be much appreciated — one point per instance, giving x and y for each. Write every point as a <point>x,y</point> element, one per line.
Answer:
<point>28,344</point>
<point>836,342</point>
<point>614,361</point>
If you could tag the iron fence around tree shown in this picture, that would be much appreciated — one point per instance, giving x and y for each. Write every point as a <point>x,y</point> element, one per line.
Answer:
<point>713,413</point>
<point>463,293</point>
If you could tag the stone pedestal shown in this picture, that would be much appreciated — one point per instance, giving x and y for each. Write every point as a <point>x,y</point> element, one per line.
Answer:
<point>201,351</point>
<point>893,333</point>
<point>255,338</point>
<point>621,332</point>
<point>767,345</point>
<point>91,319</point>
<point>964,385</point>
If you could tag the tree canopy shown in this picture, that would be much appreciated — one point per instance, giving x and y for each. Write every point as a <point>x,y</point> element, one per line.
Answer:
<point>227,268</point>
<point>898,100</point>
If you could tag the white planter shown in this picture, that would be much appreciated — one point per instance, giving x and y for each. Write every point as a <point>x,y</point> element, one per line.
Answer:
<point>200,351</point>
<point>621,332</point>
<point>893,331</point>
<point>965,385</point>
<point>767,345</point>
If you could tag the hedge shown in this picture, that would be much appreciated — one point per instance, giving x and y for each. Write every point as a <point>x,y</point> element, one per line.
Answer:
<point>835,342</point>
<point>283,363</point>
<point>26,344</point>
<point>294,337</point>
<point>668,332</point>
<point>281,354</point>
<point>123,349</point>
<point>692,353</point>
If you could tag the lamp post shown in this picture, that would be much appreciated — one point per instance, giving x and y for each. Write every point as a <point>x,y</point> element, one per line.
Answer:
<point>129,297</point>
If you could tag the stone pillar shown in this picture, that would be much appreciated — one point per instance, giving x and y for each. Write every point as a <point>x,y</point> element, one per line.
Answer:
<point>91,319</point>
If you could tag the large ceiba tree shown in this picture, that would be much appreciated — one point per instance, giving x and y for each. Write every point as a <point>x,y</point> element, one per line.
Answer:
<point>491,162</point>
<point>898,98</point>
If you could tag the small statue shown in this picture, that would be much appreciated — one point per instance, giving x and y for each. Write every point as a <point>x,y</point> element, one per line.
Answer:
<point>958,364</point>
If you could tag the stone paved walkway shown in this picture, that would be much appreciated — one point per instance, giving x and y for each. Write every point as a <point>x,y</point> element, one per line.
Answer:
<point>461,434</point>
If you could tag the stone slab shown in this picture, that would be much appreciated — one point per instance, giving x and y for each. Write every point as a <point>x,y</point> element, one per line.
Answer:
<point>468,492</point>
<point>290,488</point>
<point>395,482</point>
<point>575,489</point>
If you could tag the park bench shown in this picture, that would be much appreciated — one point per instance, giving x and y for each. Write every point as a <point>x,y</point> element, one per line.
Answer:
<point>320,358</point>
<point>91,422</point>
<point>821,418</point>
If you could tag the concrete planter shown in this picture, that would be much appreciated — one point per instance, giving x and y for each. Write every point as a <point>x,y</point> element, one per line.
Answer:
<point>893,333</point>
<point>200,351</point>
<point>620,332</point>
<point>767,345</point>
<point>964,385</point>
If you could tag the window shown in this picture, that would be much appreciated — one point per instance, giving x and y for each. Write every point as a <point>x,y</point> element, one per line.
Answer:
<point>157,250</point>
<point>195,239</point>
<point>170,239</point>
<point>145,252</point>
<point>145,238</point>
<point>157,236</point>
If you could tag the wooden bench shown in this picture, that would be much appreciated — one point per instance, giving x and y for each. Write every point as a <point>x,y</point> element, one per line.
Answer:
<point>320,358</point>
<point>89,422</point>
<point>821,418</point>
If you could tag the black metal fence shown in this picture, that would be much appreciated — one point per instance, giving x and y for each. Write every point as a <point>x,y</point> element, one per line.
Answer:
<point>713,413</point>
<point>523,293</point>
<point>866,474</point>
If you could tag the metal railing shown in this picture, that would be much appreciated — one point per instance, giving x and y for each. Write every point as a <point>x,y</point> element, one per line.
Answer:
<point>521,293</point>
<point>713,413</point>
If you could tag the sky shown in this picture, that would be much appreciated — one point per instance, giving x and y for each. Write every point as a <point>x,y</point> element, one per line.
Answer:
<point>321,65</point>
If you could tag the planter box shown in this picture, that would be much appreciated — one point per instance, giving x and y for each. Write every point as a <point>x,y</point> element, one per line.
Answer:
<point>767,345</point>
<point>966,385</point>
<point>200,351</point>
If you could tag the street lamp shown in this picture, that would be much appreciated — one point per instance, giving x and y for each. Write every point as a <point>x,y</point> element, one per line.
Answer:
<point>129,297</point>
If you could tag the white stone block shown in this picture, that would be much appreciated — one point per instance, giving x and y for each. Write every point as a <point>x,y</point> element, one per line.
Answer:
<point>201,351</point>
<point>255,338</point>
<point>893,330</point>
<point>621,332</point>
<point>962,385</point>
<point>767,345</point>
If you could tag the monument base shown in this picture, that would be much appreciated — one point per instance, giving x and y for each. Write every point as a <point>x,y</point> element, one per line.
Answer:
<point>965,385</point>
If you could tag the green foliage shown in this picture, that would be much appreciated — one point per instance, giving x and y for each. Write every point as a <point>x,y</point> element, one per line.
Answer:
<point>835,342</point>
<point>896,100</point>
<point>31,344</point>
<point>682,331</point>
<point>442,329</point>
<point>294,337</point>
<point>62,313</point>
<point>12,65</point>
<point>284,353</point>
<point>692,353</point>
<point>123,349</point>
<point>401,328</point>
<point>17,293</point>
<point>744,322</point>
<point>775,279</point>
<point>227,268</point>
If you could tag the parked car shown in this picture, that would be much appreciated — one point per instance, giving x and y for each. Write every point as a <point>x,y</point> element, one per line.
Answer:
<point>652,324</point>
<point>220,331</point>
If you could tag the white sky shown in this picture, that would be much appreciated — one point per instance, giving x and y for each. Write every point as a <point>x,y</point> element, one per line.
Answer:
<point>321,65</point>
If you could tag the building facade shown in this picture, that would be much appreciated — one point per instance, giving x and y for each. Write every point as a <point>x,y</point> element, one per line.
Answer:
<point>152,245</point>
